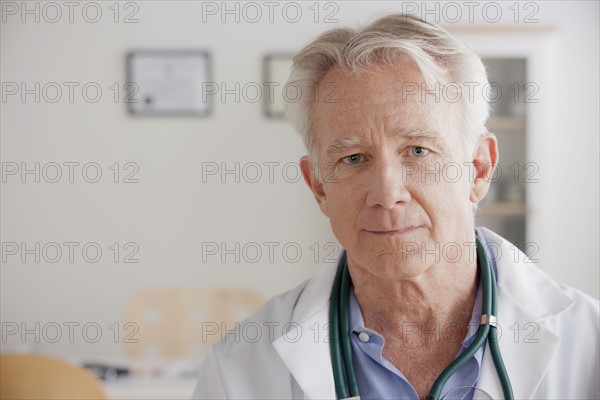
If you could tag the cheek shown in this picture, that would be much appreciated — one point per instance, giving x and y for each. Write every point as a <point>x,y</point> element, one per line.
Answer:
<point>344,202</point>
<point>443,194</point>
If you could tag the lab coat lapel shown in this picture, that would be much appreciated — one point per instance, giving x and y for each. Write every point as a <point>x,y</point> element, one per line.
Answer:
<point>526,296</point>
<point>527,348</point>
<point>308,358</point>
<point>305,347</point>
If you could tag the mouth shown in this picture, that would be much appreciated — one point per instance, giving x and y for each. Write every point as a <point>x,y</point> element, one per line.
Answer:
<point>393,232</point>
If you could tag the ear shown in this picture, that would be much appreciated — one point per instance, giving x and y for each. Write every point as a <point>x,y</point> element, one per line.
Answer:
<point>311,177</point>
<point>485,159</point>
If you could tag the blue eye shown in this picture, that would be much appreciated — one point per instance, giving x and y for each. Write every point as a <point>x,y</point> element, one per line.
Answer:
<point>418,151</point>
<point>352,159</point>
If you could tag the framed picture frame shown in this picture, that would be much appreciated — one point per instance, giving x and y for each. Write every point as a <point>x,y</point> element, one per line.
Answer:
<point>168,83</point>
<point>276,71</point>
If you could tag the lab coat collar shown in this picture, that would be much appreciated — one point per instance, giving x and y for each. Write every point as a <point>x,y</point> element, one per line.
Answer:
<point>524,281</point>
<point>526,297</point>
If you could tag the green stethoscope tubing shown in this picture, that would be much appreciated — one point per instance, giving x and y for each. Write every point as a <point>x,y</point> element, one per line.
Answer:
<point>341,348</point>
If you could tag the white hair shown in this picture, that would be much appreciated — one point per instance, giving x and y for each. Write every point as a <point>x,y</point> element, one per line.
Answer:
<point>440,58</point>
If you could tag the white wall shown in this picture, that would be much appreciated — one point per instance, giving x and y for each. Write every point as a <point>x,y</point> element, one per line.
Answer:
<point>170,212</point>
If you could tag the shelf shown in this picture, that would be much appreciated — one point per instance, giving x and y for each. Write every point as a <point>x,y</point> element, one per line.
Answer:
<point>506,123</point>
<point>502,208</point>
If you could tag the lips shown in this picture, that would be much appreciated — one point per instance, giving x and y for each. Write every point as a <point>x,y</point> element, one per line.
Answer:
<point>389,232</point>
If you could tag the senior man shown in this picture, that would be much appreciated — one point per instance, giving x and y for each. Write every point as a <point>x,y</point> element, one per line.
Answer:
<point>382,137</point>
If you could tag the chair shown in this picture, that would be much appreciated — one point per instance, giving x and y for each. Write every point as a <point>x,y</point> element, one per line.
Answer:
<point>182,323</point>
<point>28,376</point>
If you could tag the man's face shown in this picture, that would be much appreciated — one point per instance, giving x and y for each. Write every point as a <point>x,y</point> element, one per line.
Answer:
<point>397,179</point>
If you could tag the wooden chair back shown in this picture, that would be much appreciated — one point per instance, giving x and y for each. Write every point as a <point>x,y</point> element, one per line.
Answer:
<point>28,376</point>
<point>180,323</point>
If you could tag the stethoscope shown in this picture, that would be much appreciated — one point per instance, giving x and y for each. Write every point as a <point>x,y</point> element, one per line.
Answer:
<point>341,349</point>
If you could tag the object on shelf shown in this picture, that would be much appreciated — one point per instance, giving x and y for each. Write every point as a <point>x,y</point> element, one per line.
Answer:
<point>106,372</point>
<point>513,192</point>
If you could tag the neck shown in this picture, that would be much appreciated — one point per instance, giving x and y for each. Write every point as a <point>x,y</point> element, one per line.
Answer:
<point>443,294</point>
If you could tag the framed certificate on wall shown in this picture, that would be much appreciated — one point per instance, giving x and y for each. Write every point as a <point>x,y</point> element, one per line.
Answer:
<point>276,73</point>
<point>168,83</point>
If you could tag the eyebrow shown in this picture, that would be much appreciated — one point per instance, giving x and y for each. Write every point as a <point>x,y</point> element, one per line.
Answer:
<point>420,133</point>
<point>344,144</point>
<point>348,143</point>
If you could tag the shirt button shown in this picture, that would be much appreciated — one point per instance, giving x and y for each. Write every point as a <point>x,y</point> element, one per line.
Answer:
<point>364,337</point>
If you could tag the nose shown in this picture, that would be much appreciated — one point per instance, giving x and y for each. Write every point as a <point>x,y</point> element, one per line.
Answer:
<point>387,185</point>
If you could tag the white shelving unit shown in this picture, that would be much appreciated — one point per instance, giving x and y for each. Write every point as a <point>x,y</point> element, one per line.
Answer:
<point>505,207</point>
<point>518,59</point>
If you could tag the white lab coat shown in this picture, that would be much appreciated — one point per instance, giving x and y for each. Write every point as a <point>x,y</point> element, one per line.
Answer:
<point>549,340</point>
